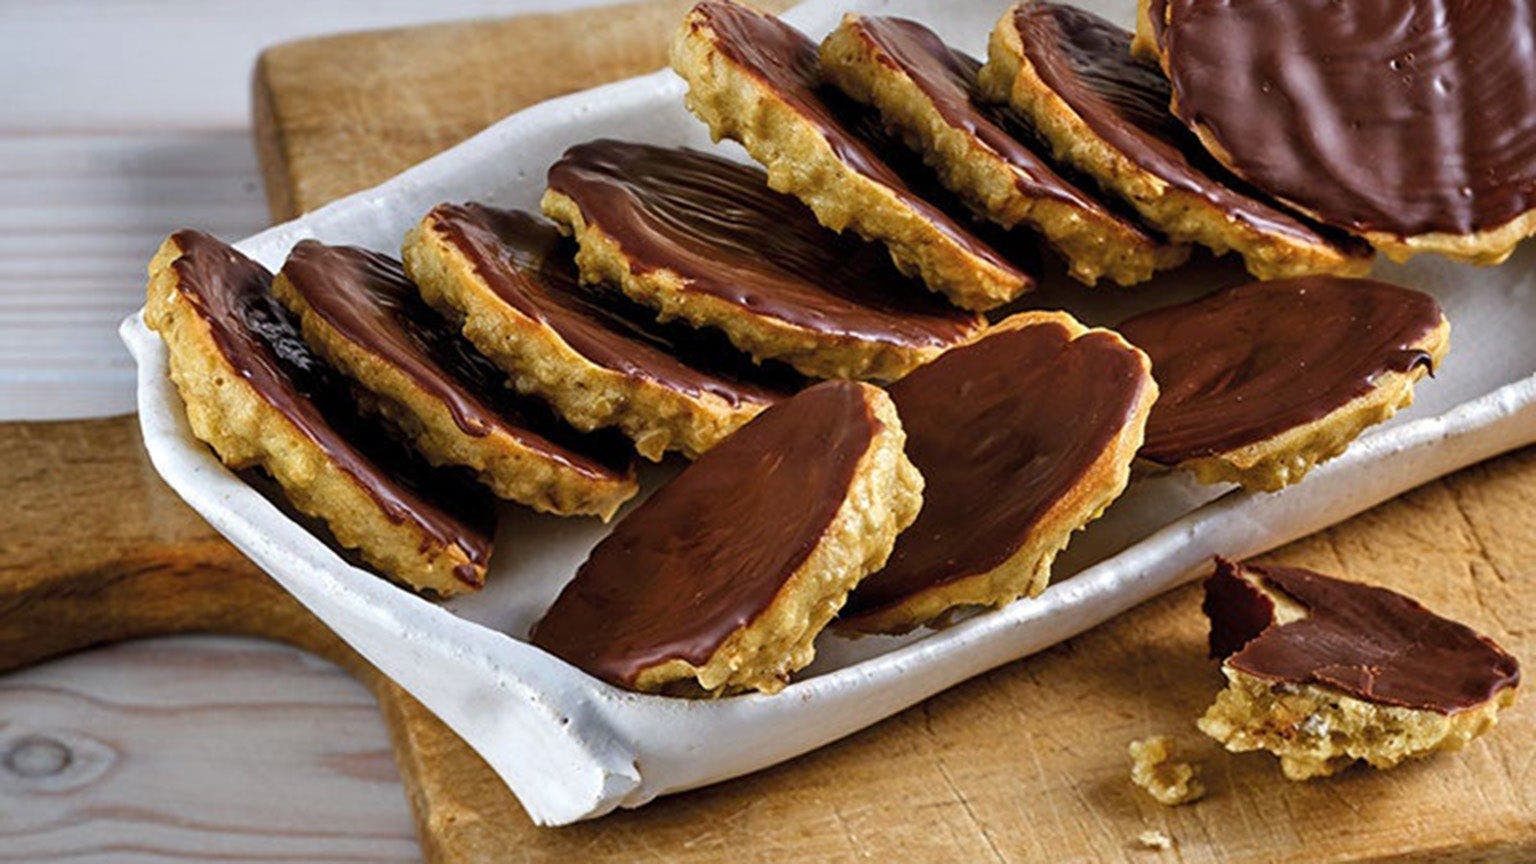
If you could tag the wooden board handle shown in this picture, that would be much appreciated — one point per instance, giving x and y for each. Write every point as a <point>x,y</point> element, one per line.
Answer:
<point>97,549</point>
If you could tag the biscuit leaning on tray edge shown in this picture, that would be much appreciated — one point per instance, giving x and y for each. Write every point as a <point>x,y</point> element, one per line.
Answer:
<point>260,398</point>
<point>1264,381</point>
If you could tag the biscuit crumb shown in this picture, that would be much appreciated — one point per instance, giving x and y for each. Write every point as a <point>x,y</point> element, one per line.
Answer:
<point>1154,840</point>
<point>1153,769</point>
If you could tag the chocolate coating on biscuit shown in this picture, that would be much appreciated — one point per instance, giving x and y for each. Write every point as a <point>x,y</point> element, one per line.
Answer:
<point>366,298</point>
<point>716,224</point>
<point>786,61</point>
<point>261,342</point>
<point>948,78</point>
<point>709,552</point>
<point>530,267</point>
<point>1399,116</point>
<point>1002,430</point>
<point>1157,17</point>
<point>1248,363</point>
<point>1366,642</point>
<point>1087,62</point>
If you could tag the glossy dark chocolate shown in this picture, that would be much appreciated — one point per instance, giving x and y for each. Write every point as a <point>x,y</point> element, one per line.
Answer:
<point>531,268</point>
<point>1366,642</point>
<point>1399,116</point>
<point>786,61</point>
<point>366,298</point>
<point>261,341</point>
<point>1087,62</point>
<point>1001,430</point>
<point>1247,363</point>
<point>716,224</point>
<point>948,78</point>
<point>1157,20</point>
<point>709,552</point>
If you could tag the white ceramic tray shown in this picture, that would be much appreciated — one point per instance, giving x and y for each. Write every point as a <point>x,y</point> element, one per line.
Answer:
<point>571,747</point>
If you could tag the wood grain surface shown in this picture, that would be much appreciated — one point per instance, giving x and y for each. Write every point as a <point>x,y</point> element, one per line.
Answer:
<point>196,749</point>
<point>1026,763</point>
<point>96,549</point>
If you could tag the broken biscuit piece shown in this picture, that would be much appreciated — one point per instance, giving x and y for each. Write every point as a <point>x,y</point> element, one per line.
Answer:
<point>1261,382</point>
<point>598,358</point>
<point>1023,436</point>
<point>703,239</point>
<point>1154,769</point>
<point>359,312</point>
<point>1323,672</point>
<point>258,395</point>
<point>985,154</point>
<point>756,80</point>
<point>720,581</point>
<point>1106,112</point>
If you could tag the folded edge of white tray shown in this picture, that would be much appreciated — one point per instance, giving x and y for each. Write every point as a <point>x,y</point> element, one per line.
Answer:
<point>571,747</point>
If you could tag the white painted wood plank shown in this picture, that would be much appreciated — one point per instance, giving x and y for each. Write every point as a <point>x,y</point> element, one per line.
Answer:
<point>80,214</point>
<point>145,64</point>
<point>122,122</point>
<point>196,749</point>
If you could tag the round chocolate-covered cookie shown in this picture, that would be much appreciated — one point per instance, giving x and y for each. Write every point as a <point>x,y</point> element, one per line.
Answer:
<point>1105,111</point>
<point>359,311</point>
<point>988,155</point>
<point>599,358</point>
<point>701,238</point>
<point>757,80</point>
<point>261,398</point>
<point>721,580</point>
<point>1023,436</point>
<point>1263,381</point>
<point>1411,123</point>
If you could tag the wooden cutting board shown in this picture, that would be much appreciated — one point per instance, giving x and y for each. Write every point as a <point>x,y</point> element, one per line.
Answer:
<point>1026,763</point>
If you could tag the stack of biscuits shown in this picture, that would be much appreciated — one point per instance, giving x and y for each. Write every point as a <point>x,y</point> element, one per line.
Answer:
<point>883,433</point>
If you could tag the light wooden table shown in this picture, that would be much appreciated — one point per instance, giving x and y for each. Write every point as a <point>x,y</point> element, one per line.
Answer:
<point>121,122</point>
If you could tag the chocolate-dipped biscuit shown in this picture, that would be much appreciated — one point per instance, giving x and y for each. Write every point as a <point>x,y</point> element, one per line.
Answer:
<point>1323,672</point>
<point>1263,381</point>
<point>1043,415</point>
<point>256,393</point>
<point>359,312</point>
<point>1410,123</point>
<point>597,357</point>
<point>1106,112</point>
<point>986,154</point>
<point>756,80</point>
<point>704,239</point>
<point>721,580</point>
